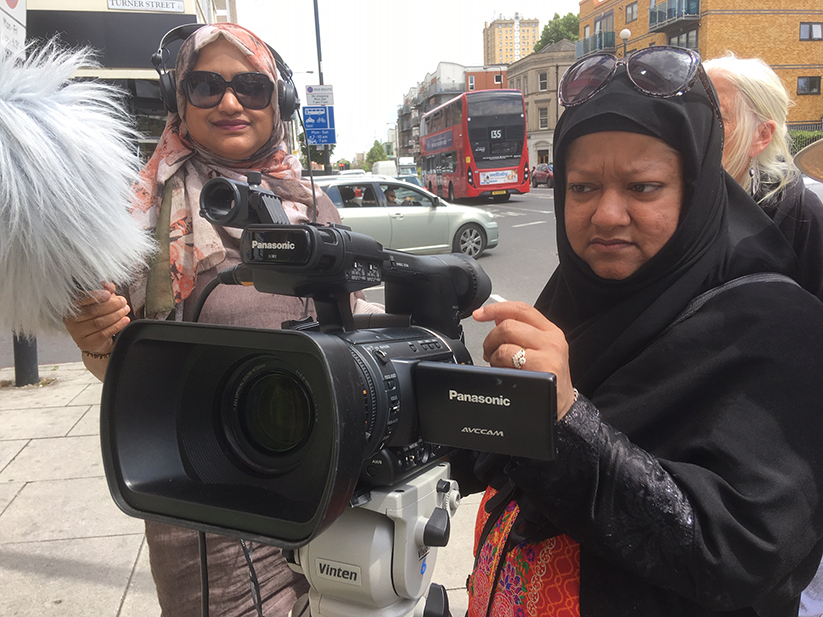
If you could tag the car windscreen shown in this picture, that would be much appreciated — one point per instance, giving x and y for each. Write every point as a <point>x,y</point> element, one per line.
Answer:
<point>334,195</point>
<point>497,128</point>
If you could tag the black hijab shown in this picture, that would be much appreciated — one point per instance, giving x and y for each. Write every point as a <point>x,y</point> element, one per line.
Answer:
<point>721,234</point>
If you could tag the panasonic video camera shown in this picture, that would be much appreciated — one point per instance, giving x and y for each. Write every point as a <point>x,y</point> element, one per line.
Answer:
<point>270,434</point>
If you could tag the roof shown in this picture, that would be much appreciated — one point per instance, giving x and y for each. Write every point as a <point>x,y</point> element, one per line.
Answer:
<point>561,45</point>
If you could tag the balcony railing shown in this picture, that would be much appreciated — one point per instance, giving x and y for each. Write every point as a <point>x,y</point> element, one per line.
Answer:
<point>671,11</point>
<point>600,41</point>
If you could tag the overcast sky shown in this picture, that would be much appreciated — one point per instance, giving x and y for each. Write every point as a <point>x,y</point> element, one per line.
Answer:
<point>374,51</point>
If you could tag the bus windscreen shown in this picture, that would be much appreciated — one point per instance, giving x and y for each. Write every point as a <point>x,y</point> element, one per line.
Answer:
<point>496,129</point>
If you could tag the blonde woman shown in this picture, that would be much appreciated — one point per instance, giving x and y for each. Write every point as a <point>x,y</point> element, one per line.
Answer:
<point>754,104</point>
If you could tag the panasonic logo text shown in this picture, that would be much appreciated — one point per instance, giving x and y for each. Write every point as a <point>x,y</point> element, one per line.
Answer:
<point>501,401</point>
<point>273,245</point>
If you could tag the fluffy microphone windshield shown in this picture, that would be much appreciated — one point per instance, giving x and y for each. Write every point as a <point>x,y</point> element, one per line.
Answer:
<point>68,160</point>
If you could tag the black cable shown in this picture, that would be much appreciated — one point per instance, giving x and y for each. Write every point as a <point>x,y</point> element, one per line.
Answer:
<point>201,299</point>
<point>255,584</point>
<point>204,574</point>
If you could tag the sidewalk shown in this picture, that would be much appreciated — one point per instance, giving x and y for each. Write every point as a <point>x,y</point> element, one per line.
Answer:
<point>65,549</point>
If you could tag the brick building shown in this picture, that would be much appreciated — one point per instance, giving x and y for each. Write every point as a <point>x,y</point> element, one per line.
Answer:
<point>786,35</point>
<point>508,40</point>
<point>537,76</point>
<point>486,78</point>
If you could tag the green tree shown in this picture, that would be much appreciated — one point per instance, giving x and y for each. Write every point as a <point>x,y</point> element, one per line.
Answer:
<point>375,154</point>
<point>316,151</point>
<point>559,28</point>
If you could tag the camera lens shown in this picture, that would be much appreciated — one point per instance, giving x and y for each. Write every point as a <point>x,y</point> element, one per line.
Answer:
<point>275,413</point>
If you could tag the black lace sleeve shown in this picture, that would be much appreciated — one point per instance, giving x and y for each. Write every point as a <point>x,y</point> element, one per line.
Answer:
<point>611,495</point>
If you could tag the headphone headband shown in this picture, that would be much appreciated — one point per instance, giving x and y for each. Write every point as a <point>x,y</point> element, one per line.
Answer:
<point>288,99</point>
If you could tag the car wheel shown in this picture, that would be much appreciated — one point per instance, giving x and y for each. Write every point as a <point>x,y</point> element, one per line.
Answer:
<point>470,240</point>
<point>549,183</point>
<point>534,183</point>
<point>451,192</point>
<point>501,197</point>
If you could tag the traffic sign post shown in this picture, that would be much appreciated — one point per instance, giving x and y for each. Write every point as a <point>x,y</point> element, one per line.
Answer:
<point>319,123</point>
<point>318,114</point>
<point>319,95</point>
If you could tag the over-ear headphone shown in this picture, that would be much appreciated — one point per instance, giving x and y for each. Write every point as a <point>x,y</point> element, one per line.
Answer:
<point>287,98</point>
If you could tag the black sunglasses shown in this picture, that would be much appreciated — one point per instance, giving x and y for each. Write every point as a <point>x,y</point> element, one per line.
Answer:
<point>205,89</point>
<point>661,72</point>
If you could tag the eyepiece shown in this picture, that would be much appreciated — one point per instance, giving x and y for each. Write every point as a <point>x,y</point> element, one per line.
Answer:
<point>219,200</point>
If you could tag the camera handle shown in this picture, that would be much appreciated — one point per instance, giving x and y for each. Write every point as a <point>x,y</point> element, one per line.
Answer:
<point>377,559</point>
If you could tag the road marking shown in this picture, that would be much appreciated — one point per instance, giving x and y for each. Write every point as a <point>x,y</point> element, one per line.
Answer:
<point>527,224</point>
<point>497,298</point>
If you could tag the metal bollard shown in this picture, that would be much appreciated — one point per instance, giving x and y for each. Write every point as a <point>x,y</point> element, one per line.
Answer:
<point>25,361</point>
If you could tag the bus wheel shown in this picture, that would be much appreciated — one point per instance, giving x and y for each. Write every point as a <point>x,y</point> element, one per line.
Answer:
<point>470,240</point>
<point>501,197</point>
<point>451,192</point>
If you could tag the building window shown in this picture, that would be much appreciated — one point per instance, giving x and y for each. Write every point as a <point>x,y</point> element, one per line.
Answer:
<point>811,31</point>
<point>604,24</point>
<point>587,31</point>
<point>685,39</point>
<point>631,12</point>
<point>543,117</point>
<point>543,81</point>
<point>808,85</point>
<point>525,85</point>
<point>471,82</point>
<point>498,79</point>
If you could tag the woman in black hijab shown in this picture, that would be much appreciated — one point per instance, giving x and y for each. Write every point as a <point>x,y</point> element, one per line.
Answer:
<point>689,471</point>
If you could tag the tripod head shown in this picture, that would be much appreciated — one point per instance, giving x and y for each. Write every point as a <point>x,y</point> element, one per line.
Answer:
<point>377,559</point>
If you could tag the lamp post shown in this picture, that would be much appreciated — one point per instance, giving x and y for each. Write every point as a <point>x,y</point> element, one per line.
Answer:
<point>326,161</point>
<point>625,34</point>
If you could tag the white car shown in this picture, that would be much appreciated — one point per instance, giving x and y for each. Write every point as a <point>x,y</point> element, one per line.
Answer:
<point>415,221</point>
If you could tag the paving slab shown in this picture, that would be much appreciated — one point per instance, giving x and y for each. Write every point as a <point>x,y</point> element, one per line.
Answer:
<point>56,459</point>
<point>89,424</point>
<point>39,422</point>
<point>64,509</point>
<point>10,449</point>
<point>141,598</point>
<point>57,394</point>
<point>7,494</point>
<point>90,395</point>
<point>67,578</point>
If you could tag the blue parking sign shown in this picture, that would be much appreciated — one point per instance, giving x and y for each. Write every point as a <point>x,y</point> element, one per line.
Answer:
<point>319,123</point>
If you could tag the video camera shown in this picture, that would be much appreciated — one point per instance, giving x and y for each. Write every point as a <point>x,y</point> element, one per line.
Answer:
<point>270,435</point>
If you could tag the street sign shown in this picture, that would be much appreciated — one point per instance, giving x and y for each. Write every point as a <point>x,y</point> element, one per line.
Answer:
<point>12,24</point>
<point>319,95</point>
<point>319,122</point>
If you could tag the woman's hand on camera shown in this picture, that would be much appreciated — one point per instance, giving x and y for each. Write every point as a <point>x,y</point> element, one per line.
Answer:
<point>519,326</point>
<point>100,315</point>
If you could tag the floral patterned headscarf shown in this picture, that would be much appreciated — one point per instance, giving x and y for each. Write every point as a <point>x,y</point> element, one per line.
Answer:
<point>193,243</point>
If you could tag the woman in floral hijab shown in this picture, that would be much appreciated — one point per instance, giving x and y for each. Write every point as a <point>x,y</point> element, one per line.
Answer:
<point>227,139</point>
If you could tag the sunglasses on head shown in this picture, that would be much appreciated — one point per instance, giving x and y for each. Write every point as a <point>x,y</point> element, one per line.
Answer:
<point>661,72</point>
<point>205,89</point>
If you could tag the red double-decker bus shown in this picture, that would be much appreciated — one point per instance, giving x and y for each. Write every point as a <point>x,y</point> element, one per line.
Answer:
<point>475,146</point>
